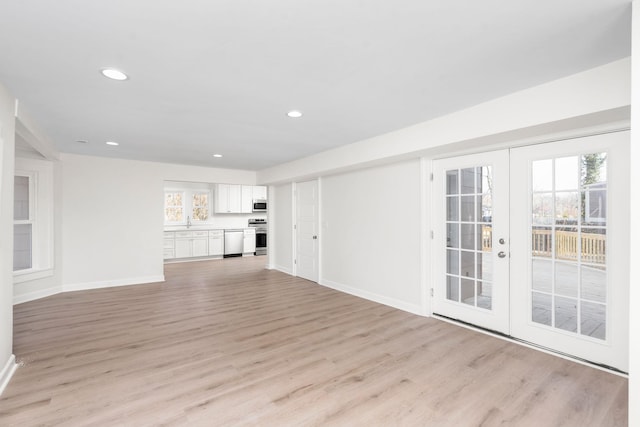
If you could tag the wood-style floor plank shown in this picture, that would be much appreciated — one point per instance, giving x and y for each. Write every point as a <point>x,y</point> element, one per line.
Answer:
<point>227,342</point>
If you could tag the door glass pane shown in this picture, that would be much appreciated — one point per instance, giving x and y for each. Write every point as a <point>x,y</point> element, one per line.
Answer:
<point>467,264</point>
<point>542,175</point>
<point>566,312</point>
<point>541,308</point>
<point>453,266</point>
<point>468,183</point>
<point>453,239</point>
<point>469,236</point>
<point>467,211</point>
<point>484,295</point>
<point>593,283</point>
<point>468,291</point>
<point>452,182</point>
<point>568,243</point>
<point>567,279</point>
<point>452,208</point>
<point>541,270</point>
<point>592,320</point>
<point>453,291</point>
<point>566,173</point>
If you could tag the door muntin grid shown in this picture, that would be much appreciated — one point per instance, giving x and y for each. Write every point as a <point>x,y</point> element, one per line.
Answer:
<point>469,269</point>
<point>568,244</point>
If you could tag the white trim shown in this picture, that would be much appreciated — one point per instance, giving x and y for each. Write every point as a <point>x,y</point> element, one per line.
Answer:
<point>381,299</point>
<point>7,372</point>
<point>531,346</point>
<point>112,283</point>
<point>19,298</point>
<point>283,269</point>
<point>22,276</point>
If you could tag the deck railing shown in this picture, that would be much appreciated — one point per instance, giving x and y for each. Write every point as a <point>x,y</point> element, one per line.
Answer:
<point>566,245</point>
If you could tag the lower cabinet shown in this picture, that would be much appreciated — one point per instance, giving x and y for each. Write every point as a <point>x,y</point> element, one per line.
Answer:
<point>191,243</point>
<point>216,242</point>
<point>202,243</point>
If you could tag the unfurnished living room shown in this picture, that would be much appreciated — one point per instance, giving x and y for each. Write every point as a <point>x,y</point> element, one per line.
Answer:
<point>319,213</point>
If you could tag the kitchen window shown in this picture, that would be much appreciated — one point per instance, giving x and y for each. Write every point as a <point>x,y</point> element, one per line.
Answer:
<point>174,207</point>
<point>200,206</point>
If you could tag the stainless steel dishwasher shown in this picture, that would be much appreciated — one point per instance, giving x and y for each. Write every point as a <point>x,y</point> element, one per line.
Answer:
<point>233,242</point>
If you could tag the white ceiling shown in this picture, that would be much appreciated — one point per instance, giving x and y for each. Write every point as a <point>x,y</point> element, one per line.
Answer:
<point>219,76</point>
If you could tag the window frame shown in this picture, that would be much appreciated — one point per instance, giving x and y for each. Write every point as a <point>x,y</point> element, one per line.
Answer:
<point>184,210</point>
<point>193,206</point>
<point>40,174</point>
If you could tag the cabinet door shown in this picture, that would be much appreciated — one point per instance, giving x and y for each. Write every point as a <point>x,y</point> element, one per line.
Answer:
<point>247,199</point>
<point>222,198</point>
<point>249,243</point>
<point>199,247</point>
<point>260,192</point>
<point>235,198</point>
<point>216,245</point>
<point>183,248</point>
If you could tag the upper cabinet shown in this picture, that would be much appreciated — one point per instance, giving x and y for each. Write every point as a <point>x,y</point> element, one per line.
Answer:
<point>228,198</point>
<point>259,192</point>
<point>234,198</point>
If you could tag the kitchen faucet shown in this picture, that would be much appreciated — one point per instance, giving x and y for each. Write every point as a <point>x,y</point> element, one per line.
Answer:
<point>188,222</point>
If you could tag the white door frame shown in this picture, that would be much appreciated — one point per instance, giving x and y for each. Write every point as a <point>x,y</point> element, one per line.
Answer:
<point>315,276</point>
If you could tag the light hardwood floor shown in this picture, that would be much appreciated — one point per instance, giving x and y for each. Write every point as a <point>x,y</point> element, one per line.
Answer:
<point>226,342</point>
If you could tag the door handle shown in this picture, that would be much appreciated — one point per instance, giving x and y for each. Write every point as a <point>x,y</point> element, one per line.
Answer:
<point>501,254</point>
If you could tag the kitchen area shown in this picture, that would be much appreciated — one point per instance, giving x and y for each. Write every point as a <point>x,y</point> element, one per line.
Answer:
<point>212,221</point>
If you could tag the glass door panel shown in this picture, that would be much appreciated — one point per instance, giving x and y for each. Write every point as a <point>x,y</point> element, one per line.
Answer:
<point>468,283</point>
<point>573,298</point>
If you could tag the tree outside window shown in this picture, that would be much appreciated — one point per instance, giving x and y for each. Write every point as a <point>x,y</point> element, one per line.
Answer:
<point>173,206</point>
<point>200,206</point>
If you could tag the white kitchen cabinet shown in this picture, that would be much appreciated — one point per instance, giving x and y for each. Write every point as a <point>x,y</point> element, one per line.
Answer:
<point>228,198</point>
<point>247,198</point>
<point>260,192</point>
<point>249,241</point>
<point>216,242</point>
<point>191,244</point>
<point>169,245</point>
<point>183,248</point>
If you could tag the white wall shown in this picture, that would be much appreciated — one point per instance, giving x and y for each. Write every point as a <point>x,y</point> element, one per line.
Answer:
<point>588,98</point>
<point>370,234</point>
<point>7,147</point>
<point>112,217</point>
<point>280,235</point>
<point>634,274</point>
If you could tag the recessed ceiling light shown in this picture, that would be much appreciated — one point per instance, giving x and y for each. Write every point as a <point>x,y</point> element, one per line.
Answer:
<point>114,74</point>
<point>294,114</point>
<point>112,143</point>
<point>217,155</point>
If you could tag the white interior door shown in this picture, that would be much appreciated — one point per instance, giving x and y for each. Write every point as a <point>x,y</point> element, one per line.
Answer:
<point>471,242</point>
<point>307,230</point>
<point>569,234</point>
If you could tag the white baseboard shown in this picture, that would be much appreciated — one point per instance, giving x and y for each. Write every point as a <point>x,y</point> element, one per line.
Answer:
<point>19,298</point>
<point>7,372</point>
<point>112,283</point>
<point>381,299</point>
<point>283,269</point>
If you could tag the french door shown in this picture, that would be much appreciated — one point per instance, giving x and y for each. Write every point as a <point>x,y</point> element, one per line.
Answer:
<point>543,257</point>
